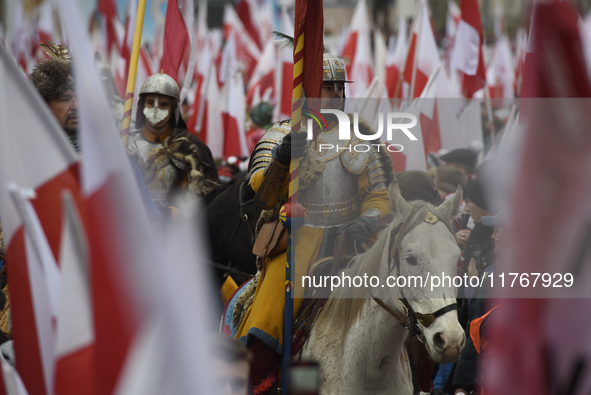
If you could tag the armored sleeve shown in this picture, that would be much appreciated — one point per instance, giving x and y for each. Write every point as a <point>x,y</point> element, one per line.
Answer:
<point>262,154</point>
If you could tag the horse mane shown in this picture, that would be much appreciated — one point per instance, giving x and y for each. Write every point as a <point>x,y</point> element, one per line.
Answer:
<point>346,304</point>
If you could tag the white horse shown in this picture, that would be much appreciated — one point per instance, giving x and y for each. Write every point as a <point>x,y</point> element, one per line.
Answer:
<point>360,345</point>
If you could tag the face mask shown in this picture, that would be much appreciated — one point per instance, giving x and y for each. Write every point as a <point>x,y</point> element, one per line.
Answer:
<point>155,115</point>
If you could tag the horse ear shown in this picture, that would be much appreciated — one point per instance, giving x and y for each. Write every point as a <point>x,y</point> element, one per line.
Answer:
<point>451,206</point>
<point>398,206</point>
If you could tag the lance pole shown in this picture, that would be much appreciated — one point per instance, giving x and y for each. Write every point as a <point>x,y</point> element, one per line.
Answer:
<point>292,213</point>
<point>135,55</point>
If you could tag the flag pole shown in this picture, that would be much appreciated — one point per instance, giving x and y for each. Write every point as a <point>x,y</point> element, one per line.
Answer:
<point>416,58</point>
<point>292,213</point>
<point>135,55</point>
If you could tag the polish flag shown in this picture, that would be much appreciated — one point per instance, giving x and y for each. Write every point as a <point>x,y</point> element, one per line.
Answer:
<point>21,45</point>
<point>75,333</point>
<point>454,15</point>
<point>356,54</point>
<point>228,64</point>
<point>178,55</point>
<point>45,29</point>
<point>548,235</point>
<point>284,74</point>
<point>247,12</point>
<point>233,114</point>
<point>467,52</point>
<point>206,120</point>
<point>395,61</point>
<point>439,125</point>
<point>246,49</point>
<point>108,10</point>
<point>380,55</point>
<point>263,77</point>
<point>116,224</point>
<point>500,73</point>
<point>203,57</point>
<point>412,156</point>
<point>39,157</point>
<point>423,47</point>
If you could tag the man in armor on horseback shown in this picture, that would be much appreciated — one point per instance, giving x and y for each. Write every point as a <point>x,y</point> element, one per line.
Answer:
<point>170,158</point>
<point>339,189</point>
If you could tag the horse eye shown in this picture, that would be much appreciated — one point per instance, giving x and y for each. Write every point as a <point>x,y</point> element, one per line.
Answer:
<point>412,260</point>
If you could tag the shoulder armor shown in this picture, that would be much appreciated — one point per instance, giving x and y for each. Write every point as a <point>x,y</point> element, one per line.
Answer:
<point>261,155</point>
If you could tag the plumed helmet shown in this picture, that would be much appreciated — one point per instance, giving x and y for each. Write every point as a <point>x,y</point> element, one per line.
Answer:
<point>333,68</point>
<point>161,84</point>
<point>52,78</point>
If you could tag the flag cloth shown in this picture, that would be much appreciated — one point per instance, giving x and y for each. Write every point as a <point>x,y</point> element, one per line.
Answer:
<point>395,61</point>
<point>75,333</point>
<point>246,49</point>
<point>34,153</point>
<point>263,77</point>
<point>178,55</point>
<point>233,114</point>
<point>423,47</point>
<point>357,54</point>
<point>467,52</point>
<point>538,347</point>
<point>309,20</point>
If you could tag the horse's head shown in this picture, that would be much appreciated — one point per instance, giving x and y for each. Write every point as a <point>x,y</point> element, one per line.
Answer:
<point>422,250</point>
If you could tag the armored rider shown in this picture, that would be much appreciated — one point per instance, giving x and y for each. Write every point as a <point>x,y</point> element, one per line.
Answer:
<point>170,158</point>
<point>339,188</point>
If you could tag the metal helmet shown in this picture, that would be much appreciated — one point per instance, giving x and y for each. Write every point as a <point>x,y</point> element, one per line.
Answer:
<point>161,84</point>
<point>333,68</point>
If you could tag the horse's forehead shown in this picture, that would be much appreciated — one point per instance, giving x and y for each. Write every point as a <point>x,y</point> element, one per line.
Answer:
<point>425,234</point>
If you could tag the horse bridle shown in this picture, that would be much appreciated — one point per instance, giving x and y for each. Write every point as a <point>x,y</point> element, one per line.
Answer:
<point>425,319</point>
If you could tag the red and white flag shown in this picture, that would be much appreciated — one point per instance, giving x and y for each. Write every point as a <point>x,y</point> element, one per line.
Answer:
<point>75,332</point>
<point>467,52</point>
<point>39,157</point>
<point>357,52</point>
<point>45,29</point>
<point>422,57</point>
<point>263,77</point>
<point>233,114</point>
<point>454,15</point>
<point>284,73</point>
<point>395,61</point>
<point>538,346</point>
<point>108,10</point>
<point>247,51</point>
<point>520,51</point>
<point>246,10</point>
<point>178,55</point>
<point>380,55</point>
<point>500,73</point>
<point>206,120</point>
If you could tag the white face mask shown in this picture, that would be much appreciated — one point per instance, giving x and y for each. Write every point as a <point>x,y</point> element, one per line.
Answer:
<point>155,115</point>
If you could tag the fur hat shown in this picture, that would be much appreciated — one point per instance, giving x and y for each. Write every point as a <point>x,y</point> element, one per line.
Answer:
<point>52,78</point>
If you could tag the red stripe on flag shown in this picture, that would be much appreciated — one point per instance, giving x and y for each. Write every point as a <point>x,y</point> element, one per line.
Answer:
<point>73,376</point>
<point>176,42</point>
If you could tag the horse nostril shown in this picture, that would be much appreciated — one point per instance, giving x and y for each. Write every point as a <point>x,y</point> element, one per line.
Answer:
<point>439,340</point>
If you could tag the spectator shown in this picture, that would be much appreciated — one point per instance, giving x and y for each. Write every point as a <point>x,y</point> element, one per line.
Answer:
<point>231,365</point>
<point>461,159</point>
<point>447,180</point>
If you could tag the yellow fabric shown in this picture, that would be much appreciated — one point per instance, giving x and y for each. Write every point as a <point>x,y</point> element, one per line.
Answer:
<point>228,289</point>
<point>266,311</point>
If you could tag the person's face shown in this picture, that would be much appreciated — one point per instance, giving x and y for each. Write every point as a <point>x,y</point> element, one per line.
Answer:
<point>231,378</point>
<point>476,212</point>
<point>65,109</point>
<point>498,237</point>
<point>159,110</point>
<point>331,96</point>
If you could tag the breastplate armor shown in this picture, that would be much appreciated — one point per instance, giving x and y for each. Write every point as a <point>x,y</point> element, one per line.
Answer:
<point>167,176</point>
<point>333,198</point>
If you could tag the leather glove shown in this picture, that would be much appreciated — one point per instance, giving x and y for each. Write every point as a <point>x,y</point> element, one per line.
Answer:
<point>292,146</point>
<point>359,229</point>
